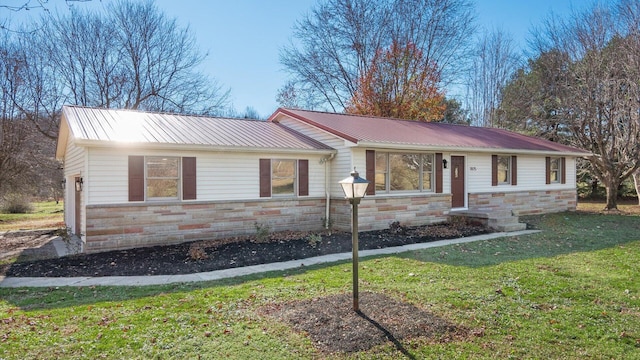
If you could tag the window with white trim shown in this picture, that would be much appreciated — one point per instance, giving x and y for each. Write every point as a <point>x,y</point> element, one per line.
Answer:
<point>504,169</point>
<point>283,177</point>
<point>163,177</point>
<point>554,170</point>
<point>403,172</point>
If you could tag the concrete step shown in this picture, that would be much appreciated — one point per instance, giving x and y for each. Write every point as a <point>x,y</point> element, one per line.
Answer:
<point>499,220</point>
<point>503,221</point>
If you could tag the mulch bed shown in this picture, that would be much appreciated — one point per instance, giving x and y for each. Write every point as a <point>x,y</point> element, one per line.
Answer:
<point>333,326</point>
<point>209,255</point>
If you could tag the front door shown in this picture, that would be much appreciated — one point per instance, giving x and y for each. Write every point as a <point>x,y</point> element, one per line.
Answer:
<point>458,192</point>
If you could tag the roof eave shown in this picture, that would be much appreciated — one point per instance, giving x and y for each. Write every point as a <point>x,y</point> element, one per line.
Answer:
<point>200,147</point>
<point>419,147</point>
<point>63,136</point>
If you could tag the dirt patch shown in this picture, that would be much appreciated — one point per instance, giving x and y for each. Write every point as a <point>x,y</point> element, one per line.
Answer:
<point>334,326</point>
<point>209,255</point>
<point>13,243</point>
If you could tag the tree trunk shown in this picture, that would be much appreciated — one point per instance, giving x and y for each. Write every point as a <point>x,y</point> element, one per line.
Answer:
<point>612,194</point>
<point>636,182</point>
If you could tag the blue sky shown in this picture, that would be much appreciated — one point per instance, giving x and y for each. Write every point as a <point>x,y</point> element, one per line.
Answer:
<point>243,37</point>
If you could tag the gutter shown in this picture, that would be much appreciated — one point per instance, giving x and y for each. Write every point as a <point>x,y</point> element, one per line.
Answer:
<point>198,147</point>
<point>418,147</point>
<point>327,176</point>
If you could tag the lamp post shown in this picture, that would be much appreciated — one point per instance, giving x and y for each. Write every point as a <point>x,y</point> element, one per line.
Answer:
<point>354,188</point>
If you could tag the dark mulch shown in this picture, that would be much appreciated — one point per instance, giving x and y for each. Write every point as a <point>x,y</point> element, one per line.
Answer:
<point>333,326</point>
<point>209,255</point>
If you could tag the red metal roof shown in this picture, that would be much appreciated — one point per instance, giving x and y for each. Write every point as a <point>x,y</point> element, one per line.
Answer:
<point>381,131</point>
<point>139,127</point>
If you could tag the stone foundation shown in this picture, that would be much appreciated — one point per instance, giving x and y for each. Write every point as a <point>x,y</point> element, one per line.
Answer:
<point>111,227</point>
<point>524,202</point>
<point>376,213</point>
<point>124,226</point>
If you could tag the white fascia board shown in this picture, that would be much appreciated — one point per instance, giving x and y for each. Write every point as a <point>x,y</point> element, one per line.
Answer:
<point>417,147</point>
<point>160,146</point>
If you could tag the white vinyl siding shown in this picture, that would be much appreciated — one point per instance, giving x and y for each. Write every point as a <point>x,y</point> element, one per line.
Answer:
<point>220,175</point>
<point>531,174</point>
<point>74,165</point>
<point>343,162</point>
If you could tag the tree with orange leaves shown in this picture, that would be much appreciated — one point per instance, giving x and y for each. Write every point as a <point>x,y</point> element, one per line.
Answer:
<point>400,83</point>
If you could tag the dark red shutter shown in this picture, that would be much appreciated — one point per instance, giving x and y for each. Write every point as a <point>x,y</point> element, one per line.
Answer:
<point>563,170</point>
<point>438,166</point>
<point>188,178</point>
<point>514,170</point>
<point>303,177</point>
<point>265,177</point>
<point>494,170</point>
<point>547,172</point>
<point>136,178</point>
<point>371,171</point>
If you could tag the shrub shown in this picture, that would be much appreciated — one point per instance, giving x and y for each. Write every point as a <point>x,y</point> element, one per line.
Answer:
<point>314,240</point>
<point>262,232</point>
<point>396,228</point>
<point>16,204</point>
<point>197,252</point>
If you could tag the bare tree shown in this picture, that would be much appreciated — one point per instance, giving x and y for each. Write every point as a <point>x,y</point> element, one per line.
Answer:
<point>23,150</point>
<point>628,11</point>
<point>334,45</point>
<point>598,102</point>
<point>494,61</point>
<point>159,60</point>
<point>130,56</point>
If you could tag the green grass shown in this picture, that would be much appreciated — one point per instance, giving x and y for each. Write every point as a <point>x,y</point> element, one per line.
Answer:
<point>46,214</point>
<point>569,292</point>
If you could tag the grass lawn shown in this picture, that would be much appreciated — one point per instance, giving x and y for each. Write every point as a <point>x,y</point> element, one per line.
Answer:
<point>44,215</point>
<point>569,292</point>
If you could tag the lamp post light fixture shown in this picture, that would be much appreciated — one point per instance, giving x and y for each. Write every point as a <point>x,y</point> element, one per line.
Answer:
<point>354,188</point>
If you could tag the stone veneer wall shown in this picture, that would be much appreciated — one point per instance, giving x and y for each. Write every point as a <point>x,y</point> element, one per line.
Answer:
<point>123,226</point>
<point>525,202</point>
<point>376,213</point>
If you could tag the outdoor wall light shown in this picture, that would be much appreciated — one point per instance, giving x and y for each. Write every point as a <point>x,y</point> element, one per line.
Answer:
<point>63,184</point>
<point>354,188</point>
<point>444,163</point>
<point>79,183</point>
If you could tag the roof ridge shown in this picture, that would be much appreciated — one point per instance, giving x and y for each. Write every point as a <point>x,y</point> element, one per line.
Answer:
<point>382,117</point>
<point>153,112</point>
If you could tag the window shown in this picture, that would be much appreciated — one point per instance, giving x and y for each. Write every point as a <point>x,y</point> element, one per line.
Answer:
<point>162,177</point>
<point>504,169</point>
<point>381,172</point>
<point>395,172</point>
<point>554,170</point>
<point>283,177</point>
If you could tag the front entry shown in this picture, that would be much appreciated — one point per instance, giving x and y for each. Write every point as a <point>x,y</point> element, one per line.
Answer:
<point>458,191</point>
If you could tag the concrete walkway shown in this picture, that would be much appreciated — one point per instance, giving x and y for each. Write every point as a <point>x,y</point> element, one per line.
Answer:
<point>230,273</point>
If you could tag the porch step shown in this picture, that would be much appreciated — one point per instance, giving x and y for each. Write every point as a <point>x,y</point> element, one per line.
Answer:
<point>500,220</point>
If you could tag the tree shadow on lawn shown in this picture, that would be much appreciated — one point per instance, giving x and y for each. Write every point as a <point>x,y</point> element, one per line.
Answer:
<point>562,234</point>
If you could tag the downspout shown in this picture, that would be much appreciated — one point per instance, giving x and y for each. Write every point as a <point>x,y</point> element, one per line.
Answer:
<point>327,186</point>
